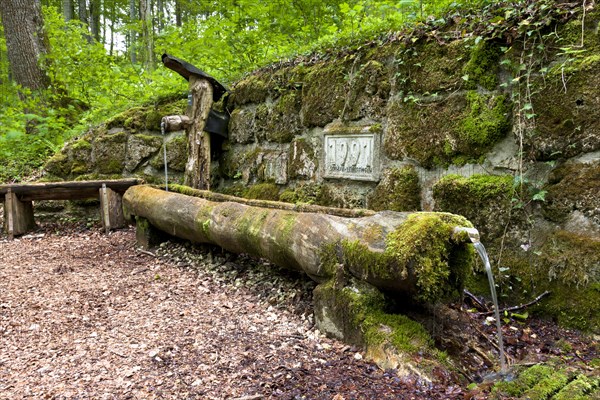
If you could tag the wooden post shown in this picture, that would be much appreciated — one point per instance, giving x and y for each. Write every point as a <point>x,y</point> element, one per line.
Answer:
<point>146,235</point>
<point>197,169</point>
<point>111,208</point>
<point>18,215</point>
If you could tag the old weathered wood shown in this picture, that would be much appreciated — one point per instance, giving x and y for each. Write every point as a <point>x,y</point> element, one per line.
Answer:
<point>18,210</point>
<point>314,243</point>
<point>176,122</point>
<point>111,206</point>
<point>18,215</point>
<point>197,169</point>
<point>313,208</point>
<point>73,190</point>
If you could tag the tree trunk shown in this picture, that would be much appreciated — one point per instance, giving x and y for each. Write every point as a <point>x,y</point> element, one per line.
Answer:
<point>67,7</point>
<point>178,12</point>
<point>132,34</point>
<point>160,15</point>
<point>26,42</point>
<point>82,11</point>
<point>147,33</point>
<point>95,19</point>
<point>197,169</point>
<point>418,254</point>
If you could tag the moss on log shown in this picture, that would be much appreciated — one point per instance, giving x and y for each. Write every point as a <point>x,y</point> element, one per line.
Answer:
<point>410,253</point>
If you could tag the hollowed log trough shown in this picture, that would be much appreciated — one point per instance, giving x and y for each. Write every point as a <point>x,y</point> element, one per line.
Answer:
<point>356,260</point>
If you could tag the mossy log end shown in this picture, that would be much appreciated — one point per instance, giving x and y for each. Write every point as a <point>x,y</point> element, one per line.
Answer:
<point>411,253</point>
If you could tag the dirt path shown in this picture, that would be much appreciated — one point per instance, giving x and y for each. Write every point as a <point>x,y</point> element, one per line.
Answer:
<point>87,316</point>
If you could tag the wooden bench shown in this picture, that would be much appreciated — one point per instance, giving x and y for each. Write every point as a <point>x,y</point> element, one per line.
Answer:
<point>18,201</point>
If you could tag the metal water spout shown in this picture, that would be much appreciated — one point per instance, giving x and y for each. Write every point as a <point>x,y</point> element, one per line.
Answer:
<point>472,232</point>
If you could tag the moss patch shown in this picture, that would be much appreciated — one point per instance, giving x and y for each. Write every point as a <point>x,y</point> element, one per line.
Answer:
<point>356,312</point>
<point>486,121</point>
<point>485,200</point>
<point>573,187</point>
<point>482,68</point>
<point>324,93</point>
<point>369,91</point>
<point>581,388</point>
<point>399,190</point>
<point>429,67</point>
<point>304,193</point>
<point>567,120</point>
<point>177,154</point>
<point>283,122</point>
<point>263,191</point>
<point>147,117</point>
<point>110,153</point>
<point>419,258</point>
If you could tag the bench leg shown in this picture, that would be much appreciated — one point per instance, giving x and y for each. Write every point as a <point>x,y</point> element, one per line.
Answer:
<point>146,235</point>
<point>111,209</point>
<point>18,215</point>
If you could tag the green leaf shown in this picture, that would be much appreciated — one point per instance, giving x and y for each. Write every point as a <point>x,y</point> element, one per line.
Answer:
<point>540,196</point>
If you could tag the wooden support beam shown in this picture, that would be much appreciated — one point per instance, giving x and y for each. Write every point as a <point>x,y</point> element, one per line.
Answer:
<point>146,235</point>
<point>18,215</point>
<point>111,209</point>
<point>74,190</point>
<point>197,169</point>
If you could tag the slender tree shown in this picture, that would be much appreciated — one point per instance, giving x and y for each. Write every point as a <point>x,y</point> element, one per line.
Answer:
<point>147,33</point>
<point>67,8</point>
<point>133,16</point>
<point>95,19</point>
<point>26,42</point>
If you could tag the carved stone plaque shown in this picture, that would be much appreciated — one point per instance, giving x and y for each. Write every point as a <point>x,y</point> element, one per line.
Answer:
<point>352,156</point>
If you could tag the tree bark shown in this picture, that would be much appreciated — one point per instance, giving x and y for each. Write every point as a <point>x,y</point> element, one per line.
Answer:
<point>132,34</point>
<point>197,169</point>
<point>95,19</point>
<point>67,7</point>
<point>318,243</point>
<point>26,42</point>
<point>147,33</point>
<point>178,13</point>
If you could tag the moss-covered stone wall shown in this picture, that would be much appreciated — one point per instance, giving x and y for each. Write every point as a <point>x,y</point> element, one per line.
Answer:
<point>504,129</point>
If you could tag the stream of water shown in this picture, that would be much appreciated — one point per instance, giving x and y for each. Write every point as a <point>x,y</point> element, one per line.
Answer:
<point>474,236</point>
<point>488,269</point>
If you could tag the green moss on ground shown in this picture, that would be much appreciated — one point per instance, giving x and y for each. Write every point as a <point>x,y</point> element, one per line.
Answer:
<point>355,311</point>
<point>545,381</point>
<point>581,388</point>
<point>399,190</point>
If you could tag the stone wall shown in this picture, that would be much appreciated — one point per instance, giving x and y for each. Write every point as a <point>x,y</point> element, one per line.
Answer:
<point>464,126</point>
<point>505,132</point>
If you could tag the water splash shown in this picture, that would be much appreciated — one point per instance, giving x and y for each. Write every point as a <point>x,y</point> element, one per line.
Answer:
<point>474,236</point>
<point>162,131</point>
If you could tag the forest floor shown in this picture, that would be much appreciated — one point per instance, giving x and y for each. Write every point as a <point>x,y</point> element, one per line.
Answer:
<point>85,315</point>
